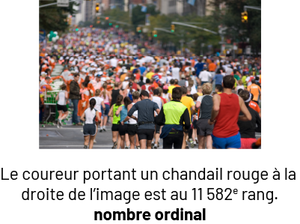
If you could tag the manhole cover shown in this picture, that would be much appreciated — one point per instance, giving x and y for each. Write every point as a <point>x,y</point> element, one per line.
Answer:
<point>44,133</point>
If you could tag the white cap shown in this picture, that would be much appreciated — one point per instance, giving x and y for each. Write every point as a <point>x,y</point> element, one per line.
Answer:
<point>92,69</point>
<point>87,61</point>
<point>46,62</point>
<point>43,73</point>
<point>168,72</point>
<point>103,79</point>
<point>126,78</point>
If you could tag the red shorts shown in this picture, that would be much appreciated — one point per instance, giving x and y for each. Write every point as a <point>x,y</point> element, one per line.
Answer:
<point>246,143</point>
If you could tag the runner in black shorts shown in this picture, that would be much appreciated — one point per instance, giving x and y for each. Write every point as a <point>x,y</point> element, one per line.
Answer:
<point>145,119</point>
<point>122,112</point>
<point>132,123</point>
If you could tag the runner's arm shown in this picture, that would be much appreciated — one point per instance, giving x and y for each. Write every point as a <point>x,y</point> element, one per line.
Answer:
<point>118,111</point>
<point>128,108</point>
<point>215,109</point>
<point>110,113</point>
<point>82,117</point>
<point>247,116</point>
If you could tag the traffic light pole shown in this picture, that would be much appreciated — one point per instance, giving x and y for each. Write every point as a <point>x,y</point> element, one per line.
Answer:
<point>164,30</point>
<point>195,27</point>
<point>251,7</point>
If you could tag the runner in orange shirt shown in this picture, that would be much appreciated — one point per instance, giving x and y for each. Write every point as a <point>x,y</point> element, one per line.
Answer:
<point>255,90</point>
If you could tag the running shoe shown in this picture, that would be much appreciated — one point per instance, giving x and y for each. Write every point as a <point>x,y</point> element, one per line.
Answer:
<point>191,142</point>
<point>138,147</point>
<point>60,123</point>
<point>85,148</point>
<point>100,129</point>
<point>126,147</point>
<point>115,145</point>
<point>155,146</point>
<point>104,129</point>
<point>95,141</point>
<point>158,145</point>
<point>152,145</point>
<point>187,147</point>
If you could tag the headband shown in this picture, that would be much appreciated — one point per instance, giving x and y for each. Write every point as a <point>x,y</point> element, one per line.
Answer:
<point>248,100</point>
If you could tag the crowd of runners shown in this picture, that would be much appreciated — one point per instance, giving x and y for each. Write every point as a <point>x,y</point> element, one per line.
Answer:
<point>210,101</point>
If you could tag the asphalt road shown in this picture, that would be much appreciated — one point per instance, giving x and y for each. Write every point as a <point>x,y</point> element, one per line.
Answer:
<point>71,137</point>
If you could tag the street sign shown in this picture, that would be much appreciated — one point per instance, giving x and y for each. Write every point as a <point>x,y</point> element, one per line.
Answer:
<point>42,35</point>
<point>248,49</point>
<point>62,3</point>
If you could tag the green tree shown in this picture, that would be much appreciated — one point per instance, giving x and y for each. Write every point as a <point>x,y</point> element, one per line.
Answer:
<point>138,17</point>
<point>236,31</point>
<point>53,18</point>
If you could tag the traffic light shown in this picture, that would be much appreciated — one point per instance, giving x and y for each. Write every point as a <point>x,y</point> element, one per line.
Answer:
<point>97,7</point>
<point>154,32</point>
<point>172,28</point>
<point>110,24</point>
<point>244,17</point>
<point>138,29</point>
<point>107,18</point>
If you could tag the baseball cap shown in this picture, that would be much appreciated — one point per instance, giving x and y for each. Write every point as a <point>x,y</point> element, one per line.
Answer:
<point>168,72</point>
<point>182,76</point>
<point>103,79</point>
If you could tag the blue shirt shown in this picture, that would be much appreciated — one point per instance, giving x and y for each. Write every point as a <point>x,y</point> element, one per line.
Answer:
<point>123,114</point>
<point>199,67</point>
<point>142,69</point>
<point>219,79</point>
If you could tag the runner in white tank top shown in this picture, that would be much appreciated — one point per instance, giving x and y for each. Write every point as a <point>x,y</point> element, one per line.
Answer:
<point>62,98</point>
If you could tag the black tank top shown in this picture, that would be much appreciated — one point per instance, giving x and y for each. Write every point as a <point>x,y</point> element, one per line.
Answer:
<point>115,93</point>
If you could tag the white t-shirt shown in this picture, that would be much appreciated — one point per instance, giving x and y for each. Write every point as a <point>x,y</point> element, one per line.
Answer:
<point>62,98</point>
<point>193,90</point>
<point>113,62</point>
<point>204,76</point>
<point>168,78</point>
<point>89,115</point>
<point>188,69</point>
<point>175,72</point>
<point>131,120</point>
<point>98,102</point>
<point>157,100</point>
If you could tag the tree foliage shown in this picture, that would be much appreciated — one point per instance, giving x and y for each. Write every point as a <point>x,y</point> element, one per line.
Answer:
<point>53,18</point>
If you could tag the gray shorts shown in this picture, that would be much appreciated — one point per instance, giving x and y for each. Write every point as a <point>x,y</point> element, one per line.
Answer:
<point>89,129</point>
<point>203,128</point>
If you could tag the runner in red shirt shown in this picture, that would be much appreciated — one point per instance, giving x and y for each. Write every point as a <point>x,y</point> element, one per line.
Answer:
<point>225,115</point>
